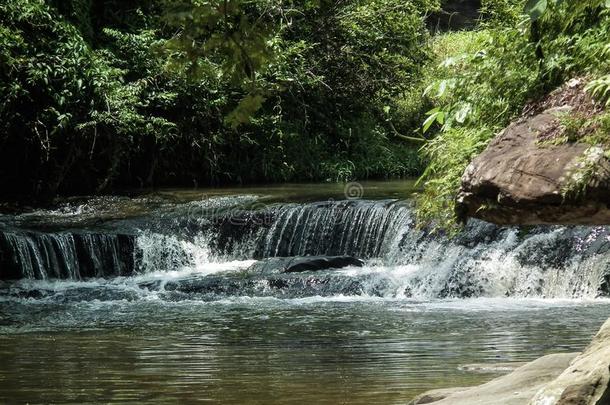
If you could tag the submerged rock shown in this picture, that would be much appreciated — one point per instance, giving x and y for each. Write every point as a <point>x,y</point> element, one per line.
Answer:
<point>317,263</point>
<point>494,368</point>
<point>433,396</point>
<point>299,264</point>
<point>522,176</point>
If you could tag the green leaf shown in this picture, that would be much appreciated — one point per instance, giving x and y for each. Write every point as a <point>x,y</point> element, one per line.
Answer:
<point>462,113</point>
<point>442,87</point>
<point>428,123</point>
<point>435,115</point>
<point>440,117</point>
<point>535,8</point>
<point>244,111</point>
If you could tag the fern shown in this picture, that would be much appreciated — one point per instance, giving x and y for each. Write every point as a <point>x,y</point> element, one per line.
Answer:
<point>600,89</point>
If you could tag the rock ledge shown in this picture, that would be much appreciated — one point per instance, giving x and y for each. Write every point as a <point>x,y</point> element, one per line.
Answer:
<point>522,176</point>
<point>556,379</point>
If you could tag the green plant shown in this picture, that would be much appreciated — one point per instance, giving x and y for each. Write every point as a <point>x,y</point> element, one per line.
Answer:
<point>600,89</point>
<point>585,171</point>
<point>477,91</point>
<point>141,93</point>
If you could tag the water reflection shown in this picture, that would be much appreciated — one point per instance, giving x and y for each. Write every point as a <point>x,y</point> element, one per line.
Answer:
<point>264,351</point>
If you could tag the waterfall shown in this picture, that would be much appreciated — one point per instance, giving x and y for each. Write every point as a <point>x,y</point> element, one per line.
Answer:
<point>64,255</point>
<point>401,260</point>
<point>349,228</point>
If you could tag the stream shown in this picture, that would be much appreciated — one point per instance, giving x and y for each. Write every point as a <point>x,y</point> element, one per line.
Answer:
<point>184,296</point>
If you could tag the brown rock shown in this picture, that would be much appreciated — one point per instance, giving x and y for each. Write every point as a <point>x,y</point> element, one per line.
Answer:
<point>519,180</point>
<point>586,381</point>
<point>516,388</point>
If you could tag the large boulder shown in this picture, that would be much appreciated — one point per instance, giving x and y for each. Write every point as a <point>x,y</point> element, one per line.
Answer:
<point>516,388</point>
<point>555,379</point>
<point>525,174</point>
<point>586,381</point>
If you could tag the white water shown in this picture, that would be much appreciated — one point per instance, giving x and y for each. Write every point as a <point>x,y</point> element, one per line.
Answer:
<point>189,302</point>
<point>220,237</point>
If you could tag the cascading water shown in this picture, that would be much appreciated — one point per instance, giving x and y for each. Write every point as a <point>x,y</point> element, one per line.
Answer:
<point>237,300</point>
<point>65,255</point>
<point>213,246</point>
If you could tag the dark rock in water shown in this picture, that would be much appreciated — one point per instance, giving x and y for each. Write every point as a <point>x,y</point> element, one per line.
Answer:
<point>267,278</point>
<point>522,176</point>
<point>105,255</point>
<point>300,264</point>
<point>217,284</point>
<point>9,266</point>
<point>604,288</point>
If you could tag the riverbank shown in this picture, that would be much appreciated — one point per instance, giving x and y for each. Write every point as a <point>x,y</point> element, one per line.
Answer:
<point>555,379</point>
<point>515,73</point>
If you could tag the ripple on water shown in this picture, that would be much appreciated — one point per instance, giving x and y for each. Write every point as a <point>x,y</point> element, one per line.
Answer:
<point>267,350</point>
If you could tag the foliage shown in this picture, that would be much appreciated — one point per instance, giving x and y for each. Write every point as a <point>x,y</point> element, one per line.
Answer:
<point>100,94</point>
<point>65,105</point>
<point>600,89</point>
<point>571,11</point>
<point>584,172</point>
<point>501,13</point>
<point>478,88</point>
<point>478,93</point>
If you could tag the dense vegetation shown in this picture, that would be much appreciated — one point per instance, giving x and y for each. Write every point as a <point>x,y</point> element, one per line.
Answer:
<point>101,94</point>
<point>488,75</point>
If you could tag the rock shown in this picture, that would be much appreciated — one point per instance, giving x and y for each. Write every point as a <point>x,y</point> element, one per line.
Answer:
<point>298,264</point>
<point>9,265</point>
<point>495,368</point>
<point>521,177</point>
<point>586,381</point>
<point>516,388</point>
<point>317,263</point>
<point>556,379</point>
<point>65,255</point>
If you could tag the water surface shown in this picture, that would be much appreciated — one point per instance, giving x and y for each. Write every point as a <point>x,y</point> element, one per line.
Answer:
<point>179,296</point>
<point>270,351</point>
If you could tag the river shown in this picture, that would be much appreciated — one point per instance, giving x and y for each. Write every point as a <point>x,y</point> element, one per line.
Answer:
<point>180,296</point>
